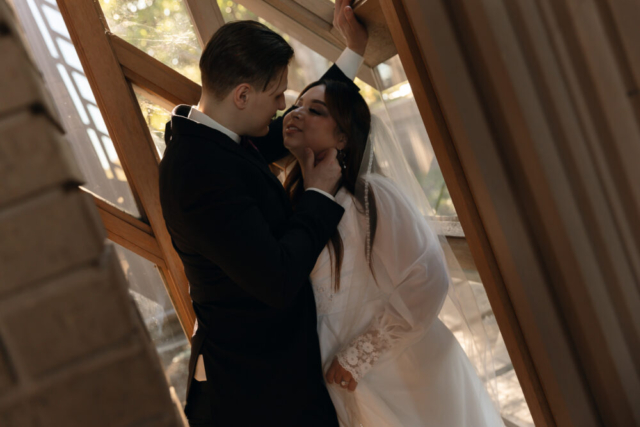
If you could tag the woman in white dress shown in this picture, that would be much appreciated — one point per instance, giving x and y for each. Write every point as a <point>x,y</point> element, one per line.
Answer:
<point>381,282</point>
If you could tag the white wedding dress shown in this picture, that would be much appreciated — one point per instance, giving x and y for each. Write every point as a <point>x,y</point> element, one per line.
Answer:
<point>411,371</point>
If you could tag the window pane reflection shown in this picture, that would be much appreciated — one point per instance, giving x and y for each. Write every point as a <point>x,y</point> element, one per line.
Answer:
<point>148,291</point>
<point>513,406</point>
<point>161,28</point>
<point>156,118</point>
<point>397,106</point>
<point>56,57</point>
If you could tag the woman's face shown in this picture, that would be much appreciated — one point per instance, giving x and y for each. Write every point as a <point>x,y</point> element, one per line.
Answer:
<point>309,124</point>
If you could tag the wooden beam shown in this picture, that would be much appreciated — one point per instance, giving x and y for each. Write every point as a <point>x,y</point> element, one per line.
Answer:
<point>417,72</point>
<point>130,135</point>
<point>460,248</point>
<point>206,18</point>
<point>125,242</point>
<point>304,35</point>
<point>380,47</point>
<point>153,98</point>
<point>317,15</point>
<point>128,231</point>
<point>321,8</point>
<point>307,19</point>
<point>121,216</point>
<point>153,76</point>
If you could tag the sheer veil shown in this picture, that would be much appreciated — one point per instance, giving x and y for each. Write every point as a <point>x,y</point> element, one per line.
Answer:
<point>384,166</point>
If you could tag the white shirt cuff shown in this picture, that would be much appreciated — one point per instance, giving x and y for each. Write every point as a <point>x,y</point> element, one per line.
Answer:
<point>349,63</point>
<point>200,374</point>
<point>322,192</point>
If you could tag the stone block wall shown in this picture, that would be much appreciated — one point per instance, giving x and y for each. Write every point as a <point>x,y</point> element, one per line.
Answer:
<point>73,348</point>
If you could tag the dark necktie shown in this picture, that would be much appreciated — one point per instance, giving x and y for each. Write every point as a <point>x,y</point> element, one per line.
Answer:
<point>247,144</point>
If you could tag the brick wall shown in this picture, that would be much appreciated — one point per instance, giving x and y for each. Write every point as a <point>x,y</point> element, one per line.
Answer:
<point>73,349</point>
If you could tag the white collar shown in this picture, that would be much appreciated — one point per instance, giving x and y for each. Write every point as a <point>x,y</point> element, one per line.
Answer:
<point>200,117</point>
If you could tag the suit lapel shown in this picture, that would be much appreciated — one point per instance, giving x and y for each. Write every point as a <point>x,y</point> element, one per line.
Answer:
<point>183,125</point>
<point>253,156</point>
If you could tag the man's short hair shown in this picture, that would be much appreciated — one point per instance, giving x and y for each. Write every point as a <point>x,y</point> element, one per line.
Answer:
<point>243,52</point>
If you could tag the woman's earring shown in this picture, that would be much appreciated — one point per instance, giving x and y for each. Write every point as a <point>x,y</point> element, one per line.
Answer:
<point>341,159</point>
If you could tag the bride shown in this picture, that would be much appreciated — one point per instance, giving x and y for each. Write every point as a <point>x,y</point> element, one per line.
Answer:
<point>381,282</point>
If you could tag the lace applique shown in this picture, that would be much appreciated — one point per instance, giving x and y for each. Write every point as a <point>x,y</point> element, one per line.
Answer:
<point>363,352</point>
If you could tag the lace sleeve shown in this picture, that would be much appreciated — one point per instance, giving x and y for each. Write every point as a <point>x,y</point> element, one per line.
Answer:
<point>410,270</point>
<point>359,357</point>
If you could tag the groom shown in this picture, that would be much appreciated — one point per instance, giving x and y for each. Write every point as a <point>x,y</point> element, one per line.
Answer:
<point>255,357</point>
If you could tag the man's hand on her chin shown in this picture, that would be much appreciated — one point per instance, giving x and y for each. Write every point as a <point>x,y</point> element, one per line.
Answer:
<point>320,156</point>
<point>325,174</point>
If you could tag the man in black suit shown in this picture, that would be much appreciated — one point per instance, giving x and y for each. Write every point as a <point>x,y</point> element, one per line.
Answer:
<point>247,254</point>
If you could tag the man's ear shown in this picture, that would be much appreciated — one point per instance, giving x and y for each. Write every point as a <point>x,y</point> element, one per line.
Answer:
<point>241,95</point>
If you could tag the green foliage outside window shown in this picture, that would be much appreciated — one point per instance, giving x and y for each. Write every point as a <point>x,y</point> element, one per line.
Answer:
<point>161,28</point>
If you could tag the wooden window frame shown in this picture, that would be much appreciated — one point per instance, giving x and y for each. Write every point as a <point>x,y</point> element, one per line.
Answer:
<point>115,97</point>
<point>128,231</point>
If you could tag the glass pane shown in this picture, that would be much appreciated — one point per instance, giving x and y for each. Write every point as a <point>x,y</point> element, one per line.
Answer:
<point>512,403</point>
<point>398,107</point>
<point>56,57</point>
<point>156,118</point>
<point>161,28</point>
<point>148,291</point>
<point>232,11</point>
<point>391,73</point>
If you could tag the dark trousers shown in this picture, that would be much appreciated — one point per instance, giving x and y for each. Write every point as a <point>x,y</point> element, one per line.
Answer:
<point>198,410</point>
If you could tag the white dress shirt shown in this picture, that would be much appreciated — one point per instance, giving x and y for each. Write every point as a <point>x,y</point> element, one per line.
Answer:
<point>200,117</point>
<point>349,62</point>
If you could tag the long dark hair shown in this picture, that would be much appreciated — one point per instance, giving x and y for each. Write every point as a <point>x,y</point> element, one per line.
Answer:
<point>351,113</point>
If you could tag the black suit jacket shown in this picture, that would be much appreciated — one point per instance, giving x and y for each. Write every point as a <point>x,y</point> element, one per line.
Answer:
<point>248,257</point>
